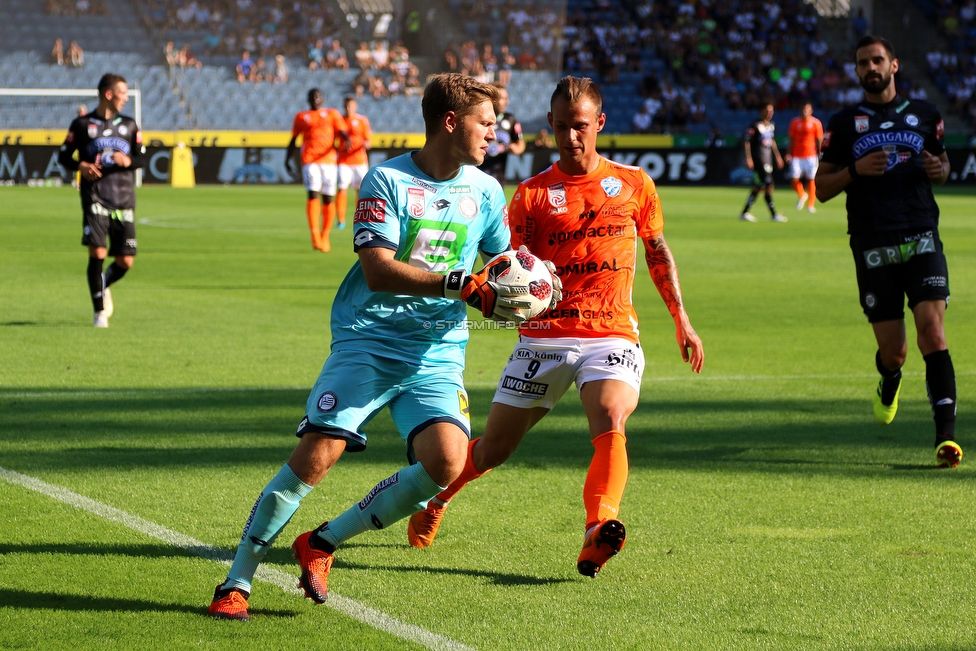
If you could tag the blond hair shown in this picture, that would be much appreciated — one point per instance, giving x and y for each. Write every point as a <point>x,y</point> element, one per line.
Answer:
<point>452,91</point>
<point>575,89</point>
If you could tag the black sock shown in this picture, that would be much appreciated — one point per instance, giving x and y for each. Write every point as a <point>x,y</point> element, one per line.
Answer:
<point>750,201</point>
<point>769,202</point>
<point>95,281</point>
<point>114,273</point>
<point>940,382</point>
<point>889,381</point>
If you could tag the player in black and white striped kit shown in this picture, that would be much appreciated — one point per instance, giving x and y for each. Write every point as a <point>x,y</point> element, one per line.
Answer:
<point>110,149</point>
<point>886,153</point>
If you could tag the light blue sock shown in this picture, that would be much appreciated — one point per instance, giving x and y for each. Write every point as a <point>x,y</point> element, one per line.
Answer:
<point>276,504</point>
<point>394,498</point>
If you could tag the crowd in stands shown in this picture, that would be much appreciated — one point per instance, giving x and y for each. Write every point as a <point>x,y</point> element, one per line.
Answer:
<point>74,57</point>
<point>385,71</point>
<point>265,28</point>
<point>75,7</point>
<point>954,69</point>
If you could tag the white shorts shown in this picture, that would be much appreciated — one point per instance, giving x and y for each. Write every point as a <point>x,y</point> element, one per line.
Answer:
<point>540,370</point>
<point>320,177</point>
<point>351,175</point>
<point>804,168</point>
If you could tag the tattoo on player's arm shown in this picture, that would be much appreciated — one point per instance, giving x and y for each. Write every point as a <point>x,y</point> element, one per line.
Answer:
<point>664,272</point>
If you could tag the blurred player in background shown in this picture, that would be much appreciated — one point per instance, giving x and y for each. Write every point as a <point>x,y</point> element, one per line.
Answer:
<point>585,213</point>
<point>354,158</point>
<point>509,133</point>
<point>803,156</point>
<point>408,267</point>
<point>761,151</point>
<point>109,147</point>
<point>319,127</point>
<point>886,153</point>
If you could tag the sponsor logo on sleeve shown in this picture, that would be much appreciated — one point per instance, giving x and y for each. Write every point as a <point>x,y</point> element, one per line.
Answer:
<point>826,139</point>
<point>370,211</point>
<point>70,137</point>
<point>138,137</point>
<point>415,202</point>
<point>940,130</point>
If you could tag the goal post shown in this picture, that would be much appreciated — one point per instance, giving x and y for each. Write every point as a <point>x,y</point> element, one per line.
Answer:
<point>55,95</point>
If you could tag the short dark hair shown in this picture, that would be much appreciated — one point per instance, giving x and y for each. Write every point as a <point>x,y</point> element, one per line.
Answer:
<point>107,82</point>
<point>311,96</point>
<point>871,39</point>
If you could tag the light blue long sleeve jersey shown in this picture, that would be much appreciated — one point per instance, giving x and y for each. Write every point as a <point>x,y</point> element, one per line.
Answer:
<point>432,225</point>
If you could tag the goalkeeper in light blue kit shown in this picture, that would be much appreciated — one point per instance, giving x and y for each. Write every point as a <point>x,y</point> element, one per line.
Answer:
<point>398,338</point>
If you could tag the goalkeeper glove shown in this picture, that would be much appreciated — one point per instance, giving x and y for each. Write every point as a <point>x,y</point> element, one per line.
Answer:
<point>495,301</point>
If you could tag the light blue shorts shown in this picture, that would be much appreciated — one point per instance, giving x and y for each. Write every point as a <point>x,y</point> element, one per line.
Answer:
<point>354,386</point>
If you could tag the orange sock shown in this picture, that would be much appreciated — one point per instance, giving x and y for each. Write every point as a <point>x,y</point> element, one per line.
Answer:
<point>797,187</point>
<point>606,478</point>
<point>340,200</point>
<point>813,192</point>
<point>312,209</point>
<point>470,473</point>
<point>328,216</point>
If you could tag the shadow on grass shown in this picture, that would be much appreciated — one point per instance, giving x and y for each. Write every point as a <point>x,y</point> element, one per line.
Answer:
<point>230,428</point>
<point>36,600</point>
<point>497,578</point>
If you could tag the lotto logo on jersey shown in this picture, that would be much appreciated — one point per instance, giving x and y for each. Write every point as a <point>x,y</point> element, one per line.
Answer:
<point>415,202</point>
<point>370,211</point>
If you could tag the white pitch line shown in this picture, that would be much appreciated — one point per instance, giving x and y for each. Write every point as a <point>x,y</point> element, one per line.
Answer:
<point>471,385</point>
<point>287,582</point>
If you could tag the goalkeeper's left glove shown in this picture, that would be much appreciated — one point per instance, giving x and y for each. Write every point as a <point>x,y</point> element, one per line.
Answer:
<point>496,301</point>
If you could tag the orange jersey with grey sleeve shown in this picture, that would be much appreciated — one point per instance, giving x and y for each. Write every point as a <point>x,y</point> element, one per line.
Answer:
<point>589,227</point>
<point>357,127</point>
<point>804,135</point>
<point>318,129</point>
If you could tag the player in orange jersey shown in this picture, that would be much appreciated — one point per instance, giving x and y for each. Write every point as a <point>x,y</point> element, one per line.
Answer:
<point>585,213</point>
<point>353,159</point>
<point>318,128</point>
<point>803,155</point>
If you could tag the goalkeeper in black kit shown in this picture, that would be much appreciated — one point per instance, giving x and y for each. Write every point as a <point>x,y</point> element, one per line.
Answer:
<point>110,149</point>
<point>886,153</point>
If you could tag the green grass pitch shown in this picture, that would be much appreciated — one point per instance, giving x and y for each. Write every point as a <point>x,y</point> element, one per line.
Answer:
<point>766,510</point>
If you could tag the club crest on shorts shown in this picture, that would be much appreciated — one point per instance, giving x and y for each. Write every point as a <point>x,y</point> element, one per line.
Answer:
<point>860,123</point>
<point>611,186</point>
<point>328,401</point>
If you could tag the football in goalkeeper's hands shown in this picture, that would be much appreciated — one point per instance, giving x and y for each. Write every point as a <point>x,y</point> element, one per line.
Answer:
<point>528,274</point>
